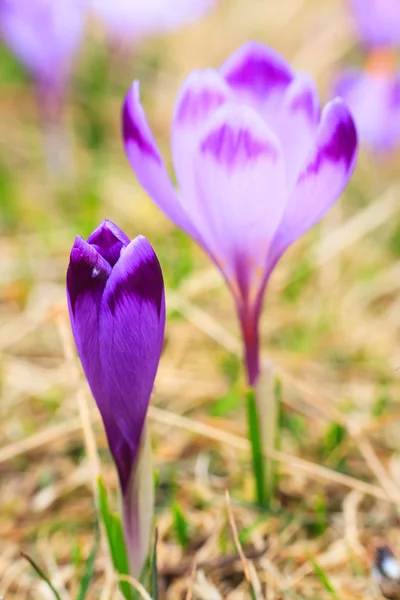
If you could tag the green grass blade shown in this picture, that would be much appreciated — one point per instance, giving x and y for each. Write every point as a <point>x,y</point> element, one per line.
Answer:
<point>116,541</point>
<point>180,525</point>
<point>155,568</point>
<point>323,578</point>
<point>41,574</point>
<point>89,569</point>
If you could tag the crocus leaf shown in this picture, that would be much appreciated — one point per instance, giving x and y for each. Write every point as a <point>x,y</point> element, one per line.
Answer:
<point>115,539</point>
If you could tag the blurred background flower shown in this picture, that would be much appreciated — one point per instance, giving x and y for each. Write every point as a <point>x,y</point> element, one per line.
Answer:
<point>45,35</point>
<point>376,22</point>
<point>373,91</point>
<point>134,19</point>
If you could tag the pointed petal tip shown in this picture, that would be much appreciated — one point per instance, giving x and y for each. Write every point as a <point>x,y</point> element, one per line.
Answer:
<point>87,270</point>
<point>338,141</point>
<point>137,274</point>
<point>203,91</point>
<point>258,66</point>
<point>108,240</point>
<point>302,96</point>
<point>135,130</point>
<point>341,133</point>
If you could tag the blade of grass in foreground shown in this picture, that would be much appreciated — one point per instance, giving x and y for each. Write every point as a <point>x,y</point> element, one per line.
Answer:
<point>116,541</point>
<point>41,574</point>
<point>154,567</point>
<point>89,569</point>
<point>323,578</point>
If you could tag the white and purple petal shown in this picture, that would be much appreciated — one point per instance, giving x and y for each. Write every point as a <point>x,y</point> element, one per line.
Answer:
<point>147,163</point>
<point>322,179</point>
<point>201,95</point>
<point>297,124</point>
<point>241,193</point>
<point>259,77</point>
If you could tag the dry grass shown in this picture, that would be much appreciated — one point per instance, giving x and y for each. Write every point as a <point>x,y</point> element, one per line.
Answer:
<point>331,327</point>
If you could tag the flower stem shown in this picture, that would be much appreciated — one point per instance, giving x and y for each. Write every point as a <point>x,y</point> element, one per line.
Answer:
<point>256,447</point>
<point>262,412</point>
<point>251,341</point>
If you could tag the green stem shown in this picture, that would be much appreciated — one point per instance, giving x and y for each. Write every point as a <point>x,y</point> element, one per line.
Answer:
<point>256,447</point>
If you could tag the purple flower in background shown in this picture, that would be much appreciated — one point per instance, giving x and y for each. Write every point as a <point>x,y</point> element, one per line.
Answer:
<point>374,100</point>
<point>256,163</point>
<point>44,35</point>
<point>377,21</point>
<point>116,303</point>
<point>137,18</point>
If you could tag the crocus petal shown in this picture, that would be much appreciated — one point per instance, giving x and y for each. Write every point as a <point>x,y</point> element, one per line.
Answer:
<point>258,76</point>
<point>147,163</point>
<point>108,239</point>
<point>87,276</point>
<point>131,331</point>
<point>298,123</point>
<point>374,101</point>
<point>323,177</point>
<point>201,94</point>
<point>241,192</point>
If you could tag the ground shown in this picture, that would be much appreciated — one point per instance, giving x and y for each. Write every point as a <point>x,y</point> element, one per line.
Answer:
<point>330,327</point>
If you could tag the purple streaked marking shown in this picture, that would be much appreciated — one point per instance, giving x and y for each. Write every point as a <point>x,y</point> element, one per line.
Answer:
<point>341,147</point>
<point>133,131</point>
<point>304,103</point>
<point>198,104</point>
<point>236,147</point>
<point>259,73</point>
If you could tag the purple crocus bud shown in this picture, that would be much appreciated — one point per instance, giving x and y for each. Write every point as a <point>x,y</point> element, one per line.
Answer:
<point>44,35</point>
<point>138,18</point>
<point>374,100</point>
<point>116,304</point>
<point>377,22</point>
<point>257,166</point>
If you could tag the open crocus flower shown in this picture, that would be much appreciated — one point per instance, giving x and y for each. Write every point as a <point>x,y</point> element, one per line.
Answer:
<point>257,166</point>
<point>374,100</point>
<point>137,18</point>
<point>44,35</point>
<point>377,22</point>
<point>116,303</point>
